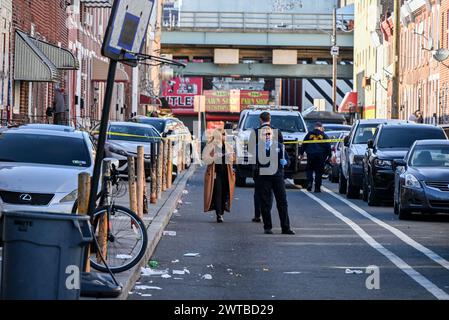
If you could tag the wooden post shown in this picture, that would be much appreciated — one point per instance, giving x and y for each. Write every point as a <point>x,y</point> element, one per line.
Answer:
<point>132,184</point>
<point>140,179</point>
<point>164,165</point>
<point>102,237</point>
<point>160,154</point>
<point>145,197</point>
<point>153,191</point>
<point>83,205</point>
<point>169,164</point>
<point>179,164</point>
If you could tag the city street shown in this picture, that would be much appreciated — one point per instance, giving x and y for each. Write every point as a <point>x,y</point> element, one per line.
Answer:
<point>336,240</point>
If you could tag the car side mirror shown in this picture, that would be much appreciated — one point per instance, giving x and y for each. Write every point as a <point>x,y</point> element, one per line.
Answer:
<point>370,144</point>
<point>399,163</point>
<point>346,141</point>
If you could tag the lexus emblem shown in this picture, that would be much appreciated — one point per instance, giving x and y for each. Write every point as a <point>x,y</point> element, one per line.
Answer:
<point>25,197</point>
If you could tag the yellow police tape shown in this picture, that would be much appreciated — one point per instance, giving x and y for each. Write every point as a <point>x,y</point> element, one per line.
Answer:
<point>128,135</point>
<point>173,138</point>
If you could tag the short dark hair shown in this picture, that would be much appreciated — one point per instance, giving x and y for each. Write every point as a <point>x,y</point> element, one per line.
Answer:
<point>265,116</point>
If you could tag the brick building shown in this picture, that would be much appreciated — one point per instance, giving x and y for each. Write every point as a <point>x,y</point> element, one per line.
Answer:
<point>419,72</point>
<point>40,60</point>
<point>443,93</point>
<point>5,36</point>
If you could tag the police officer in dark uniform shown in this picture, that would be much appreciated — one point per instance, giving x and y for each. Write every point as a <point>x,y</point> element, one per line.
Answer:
<point>318,152</point>
<point>269,175</point>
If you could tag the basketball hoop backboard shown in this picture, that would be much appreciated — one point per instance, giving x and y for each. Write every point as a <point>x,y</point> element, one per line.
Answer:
<point>127,30</point>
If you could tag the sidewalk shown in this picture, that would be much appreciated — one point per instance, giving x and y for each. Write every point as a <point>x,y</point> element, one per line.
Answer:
<point>156,221</point>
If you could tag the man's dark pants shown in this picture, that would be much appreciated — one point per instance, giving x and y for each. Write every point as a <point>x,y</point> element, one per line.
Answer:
<point>257,209</point>
<point>265,186</point>
<point>315,164</point>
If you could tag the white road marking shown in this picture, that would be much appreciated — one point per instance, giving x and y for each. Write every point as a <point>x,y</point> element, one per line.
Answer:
<point>401,264</point>
<point>398,233</point>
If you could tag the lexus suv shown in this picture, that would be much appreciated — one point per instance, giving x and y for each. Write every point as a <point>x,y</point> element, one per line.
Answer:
<point>352,153</point>
<point>286,119</point>
<point>390,143</point>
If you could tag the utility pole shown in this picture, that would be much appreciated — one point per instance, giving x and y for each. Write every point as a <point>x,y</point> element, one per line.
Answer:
<point>396,55</point>
<point>334,59</point>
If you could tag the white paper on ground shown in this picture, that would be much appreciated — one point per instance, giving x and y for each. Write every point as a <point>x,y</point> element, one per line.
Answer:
<point>175,261</point>
<point>169,233</point>
<point>153,272</point>
<point>293,272</point>
<point>191,255</point>
<point>178,278</point>
<point>146,295</point>
<point>123,256</point>
<point>166,276</point>
<point>206,277</point>
<point>350,271</point>
<point>211,266</point>
<point>143,287</point>
<point>185,192</point>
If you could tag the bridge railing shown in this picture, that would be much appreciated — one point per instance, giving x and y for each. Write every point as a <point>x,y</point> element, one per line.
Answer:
<point>256,21</point>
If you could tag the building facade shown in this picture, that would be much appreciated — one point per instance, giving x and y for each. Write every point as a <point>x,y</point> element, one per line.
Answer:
<point>443,92</point>
<point>5,37</point>
<point>420,73</point>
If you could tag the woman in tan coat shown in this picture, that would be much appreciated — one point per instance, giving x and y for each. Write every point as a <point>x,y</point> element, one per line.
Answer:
<point>219,180</point>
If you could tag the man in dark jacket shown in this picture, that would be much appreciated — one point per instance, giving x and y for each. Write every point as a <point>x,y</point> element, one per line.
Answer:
<point>318,151</point>
<point>269,176</point>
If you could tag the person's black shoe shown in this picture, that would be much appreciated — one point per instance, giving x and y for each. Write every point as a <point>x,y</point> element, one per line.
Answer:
<point>257,220</point>
<point>219,219</point>
<point>268,231</point>
<point>309,187</point>
<point>288,232</point>
<point>317,190</point>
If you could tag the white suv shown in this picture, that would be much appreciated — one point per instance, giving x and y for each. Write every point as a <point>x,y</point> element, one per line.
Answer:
<point>290,122</point>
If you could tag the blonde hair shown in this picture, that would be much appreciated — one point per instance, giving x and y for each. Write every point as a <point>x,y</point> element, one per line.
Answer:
<point>215,136</point>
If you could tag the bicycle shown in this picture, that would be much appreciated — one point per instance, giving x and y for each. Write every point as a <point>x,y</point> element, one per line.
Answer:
<point>120,235</point>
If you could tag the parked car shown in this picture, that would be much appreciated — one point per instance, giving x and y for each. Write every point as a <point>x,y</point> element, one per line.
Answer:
<point>286,119</point>
<point>325,117</point>
<point>336,127</point>
<point>391,142</point>
<point>123,139</point>
<point>53,127</point>
<point>171,128</point>
<point>422,179</point>
<point>333,167</point>
<point>39,169</point>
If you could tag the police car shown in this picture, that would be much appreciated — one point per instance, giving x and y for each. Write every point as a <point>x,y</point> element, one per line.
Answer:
<point>284,118</point>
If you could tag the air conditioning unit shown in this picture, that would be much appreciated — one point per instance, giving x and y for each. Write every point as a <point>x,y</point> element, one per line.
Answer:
<point>88,19</point>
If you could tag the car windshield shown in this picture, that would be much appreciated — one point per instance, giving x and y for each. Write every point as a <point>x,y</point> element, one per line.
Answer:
<point>283,123</point>
<point>132,133</point>
<point>365,132</point>
<point>430,156</point>
<point>157,123</point>
<point>402,137</point>
<point>44,149</point>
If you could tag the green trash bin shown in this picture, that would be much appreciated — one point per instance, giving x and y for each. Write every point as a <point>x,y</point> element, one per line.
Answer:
<point>43,255</point>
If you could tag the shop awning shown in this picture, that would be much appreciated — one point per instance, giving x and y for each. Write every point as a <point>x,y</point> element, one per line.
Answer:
<point>147,100</point>
<point>100,72</point>
<point>349,103</point>
<point>97,3</point>
<point>37,60</point>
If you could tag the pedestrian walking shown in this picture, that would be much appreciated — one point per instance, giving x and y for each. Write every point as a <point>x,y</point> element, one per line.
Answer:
<point>416,117</point>
<point>318,152</point>
<point>269,175</point>
<point>219,180</point>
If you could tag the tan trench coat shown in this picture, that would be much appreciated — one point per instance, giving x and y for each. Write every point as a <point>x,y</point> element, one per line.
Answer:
<point>209,177</point>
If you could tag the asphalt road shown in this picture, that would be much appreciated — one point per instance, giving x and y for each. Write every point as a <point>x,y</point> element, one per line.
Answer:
<point>336,241</point>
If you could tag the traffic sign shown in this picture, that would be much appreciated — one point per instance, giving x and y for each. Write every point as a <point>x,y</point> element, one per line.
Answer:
<point>335,51</point>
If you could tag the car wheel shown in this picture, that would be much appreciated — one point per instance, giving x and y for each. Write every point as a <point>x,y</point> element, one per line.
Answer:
<point>365,190</point>
<point>372,196</point>
<point>396,207</point>
<point>334,176</point>
<point>403,214</point>
<point>353,191</point>
<point>342,183</point>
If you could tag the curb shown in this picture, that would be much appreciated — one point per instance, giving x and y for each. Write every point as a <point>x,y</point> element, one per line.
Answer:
<point>155,231</point>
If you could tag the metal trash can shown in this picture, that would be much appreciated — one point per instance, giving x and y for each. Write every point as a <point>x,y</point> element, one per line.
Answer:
<point>43,255</point>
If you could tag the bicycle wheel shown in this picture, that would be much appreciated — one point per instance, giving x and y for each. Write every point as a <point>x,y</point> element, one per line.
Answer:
<point>125,242</point>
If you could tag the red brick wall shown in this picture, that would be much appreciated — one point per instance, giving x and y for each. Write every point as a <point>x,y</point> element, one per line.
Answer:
<point>49,18</point>
<point>444,71</point>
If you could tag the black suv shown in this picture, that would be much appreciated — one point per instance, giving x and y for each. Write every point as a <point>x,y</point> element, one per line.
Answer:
<point>390,142</point>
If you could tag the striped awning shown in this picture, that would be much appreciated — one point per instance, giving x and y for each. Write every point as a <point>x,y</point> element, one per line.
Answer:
<point>40,61</point>
<point>100,72</point>
<point>97,3</point>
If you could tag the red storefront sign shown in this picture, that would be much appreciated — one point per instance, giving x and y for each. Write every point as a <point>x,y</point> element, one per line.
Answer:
<point>249,98</point>
<point>180,92</point>
<point>222,101</point>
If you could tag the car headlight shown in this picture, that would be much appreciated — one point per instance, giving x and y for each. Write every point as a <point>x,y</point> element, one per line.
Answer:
<point>71,197</point>
<point>383,163</point>
<point>118,151</point>
<point>412,182</point>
